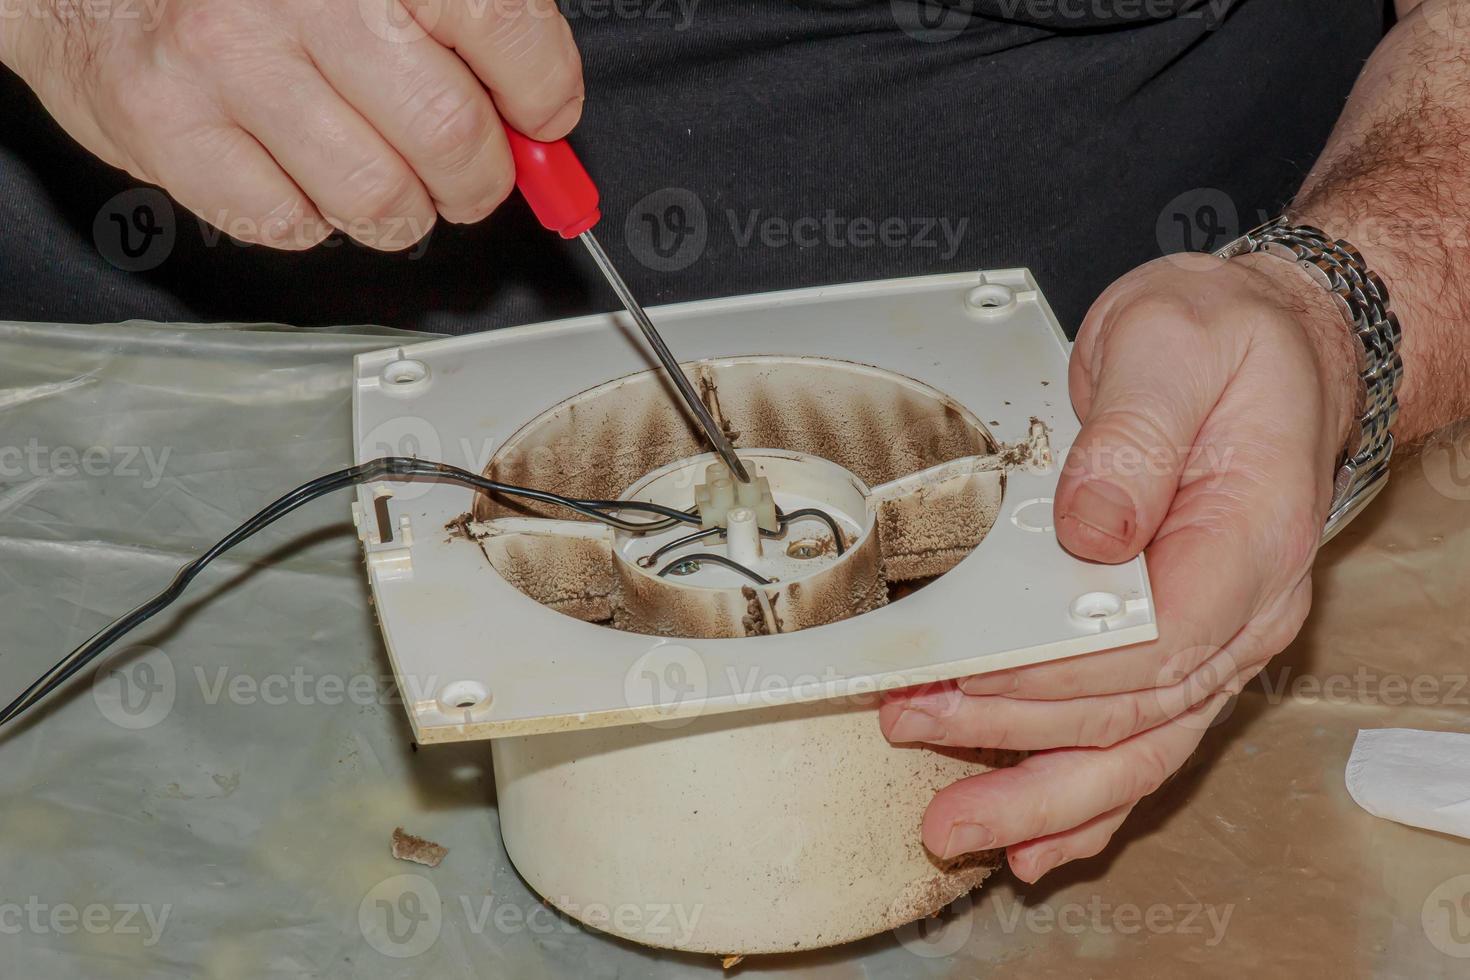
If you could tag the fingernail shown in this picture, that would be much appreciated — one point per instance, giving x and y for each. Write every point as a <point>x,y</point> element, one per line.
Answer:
<point>914,725</point>
<point>1045,862</point>
<point>1106,508</point>
<point>965,838</point>
<point>566,117</point>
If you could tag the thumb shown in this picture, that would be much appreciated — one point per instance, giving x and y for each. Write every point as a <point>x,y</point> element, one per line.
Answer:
<point>1144,385</point>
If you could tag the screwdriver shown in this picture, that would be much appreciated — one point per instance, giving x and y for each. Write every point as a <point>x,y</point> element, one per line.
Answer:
<point>565,200</point>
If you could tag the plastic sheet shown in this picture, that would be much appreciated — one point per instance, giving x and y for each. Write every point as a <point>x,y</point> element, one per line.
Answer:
<point>220,801</point>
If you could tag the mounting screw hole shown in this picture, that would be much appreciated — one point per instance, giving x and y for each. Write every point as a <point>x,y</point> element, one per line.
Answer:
<point>1097,608</point>
<point>463,696</point>
<point>990,298</point>
<point>405,374</point>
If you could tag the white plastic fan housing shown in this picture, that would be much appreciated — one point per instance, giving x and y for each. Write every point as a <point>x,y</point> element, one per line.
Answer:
<point>696,740</point>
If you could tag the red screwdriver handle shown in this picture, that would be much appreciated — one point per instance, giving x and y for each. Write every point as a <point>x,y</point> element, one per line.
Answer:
<point>555,184</point>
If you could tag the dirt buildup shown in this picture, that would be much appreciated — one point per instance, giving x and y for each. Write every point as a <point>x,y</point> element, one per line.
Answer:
<point>407,847</point>
<point>460,526</point>
<point>927,533</point>
<point>878,425</point>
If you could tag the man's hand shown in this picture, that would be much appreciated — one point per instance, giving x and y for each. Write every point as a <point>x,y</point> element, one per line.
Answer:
<point>278,120</point>
<point>1216,397</point>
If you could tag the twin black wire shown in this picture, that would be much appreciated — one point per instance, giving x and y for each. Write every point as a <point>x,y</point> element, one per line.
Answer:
<point>811,513</point>
<point>386,468</point>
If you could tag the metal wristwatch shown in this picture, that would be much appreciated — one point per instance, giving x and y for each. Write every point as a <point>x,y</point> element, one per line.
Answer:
<point>1363,299</point>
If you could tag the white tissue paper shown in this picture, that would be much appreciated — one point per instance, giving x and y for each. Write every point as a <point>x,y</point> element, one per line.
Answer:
<point>1418,778</point>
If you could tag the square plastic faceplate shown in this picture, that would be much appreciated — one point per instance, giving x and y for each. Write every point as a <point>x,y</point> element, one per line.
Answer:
<point>476,658</point>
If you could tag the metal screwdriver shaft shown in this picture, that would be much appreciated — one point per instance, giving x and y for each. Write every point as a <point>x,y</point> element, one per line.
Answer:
<point>565,200</point>
<point>712,428</point>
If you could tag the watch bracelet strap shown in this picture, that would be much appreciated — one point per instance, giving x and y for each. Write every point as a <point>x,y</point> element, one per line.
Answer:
<point>1364,301</point>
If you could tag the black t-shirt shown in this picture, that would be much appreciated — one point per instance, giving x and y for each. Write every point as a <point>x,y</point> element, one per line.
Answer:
<point>751,145</point>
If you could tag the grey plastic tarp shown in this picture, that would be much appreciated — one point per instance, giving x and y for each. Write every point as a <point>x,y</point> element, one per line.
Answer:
<point>217,800</point>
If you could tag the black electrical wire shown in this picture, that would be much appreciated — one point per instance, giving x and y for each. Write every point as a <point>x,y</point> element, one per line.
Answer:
<point>386,468</point>
<point>649,559</point>
<point>811,513</point>
<point>705,556</point>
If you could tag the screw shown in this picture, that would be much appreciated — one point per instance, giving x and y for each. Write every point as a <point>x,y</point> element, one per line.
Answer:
<point>804,549</point>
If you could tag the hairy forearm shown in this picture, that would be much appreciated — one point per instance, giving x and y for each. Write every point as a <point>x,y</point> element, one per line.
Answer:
<point>1394,180</point>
